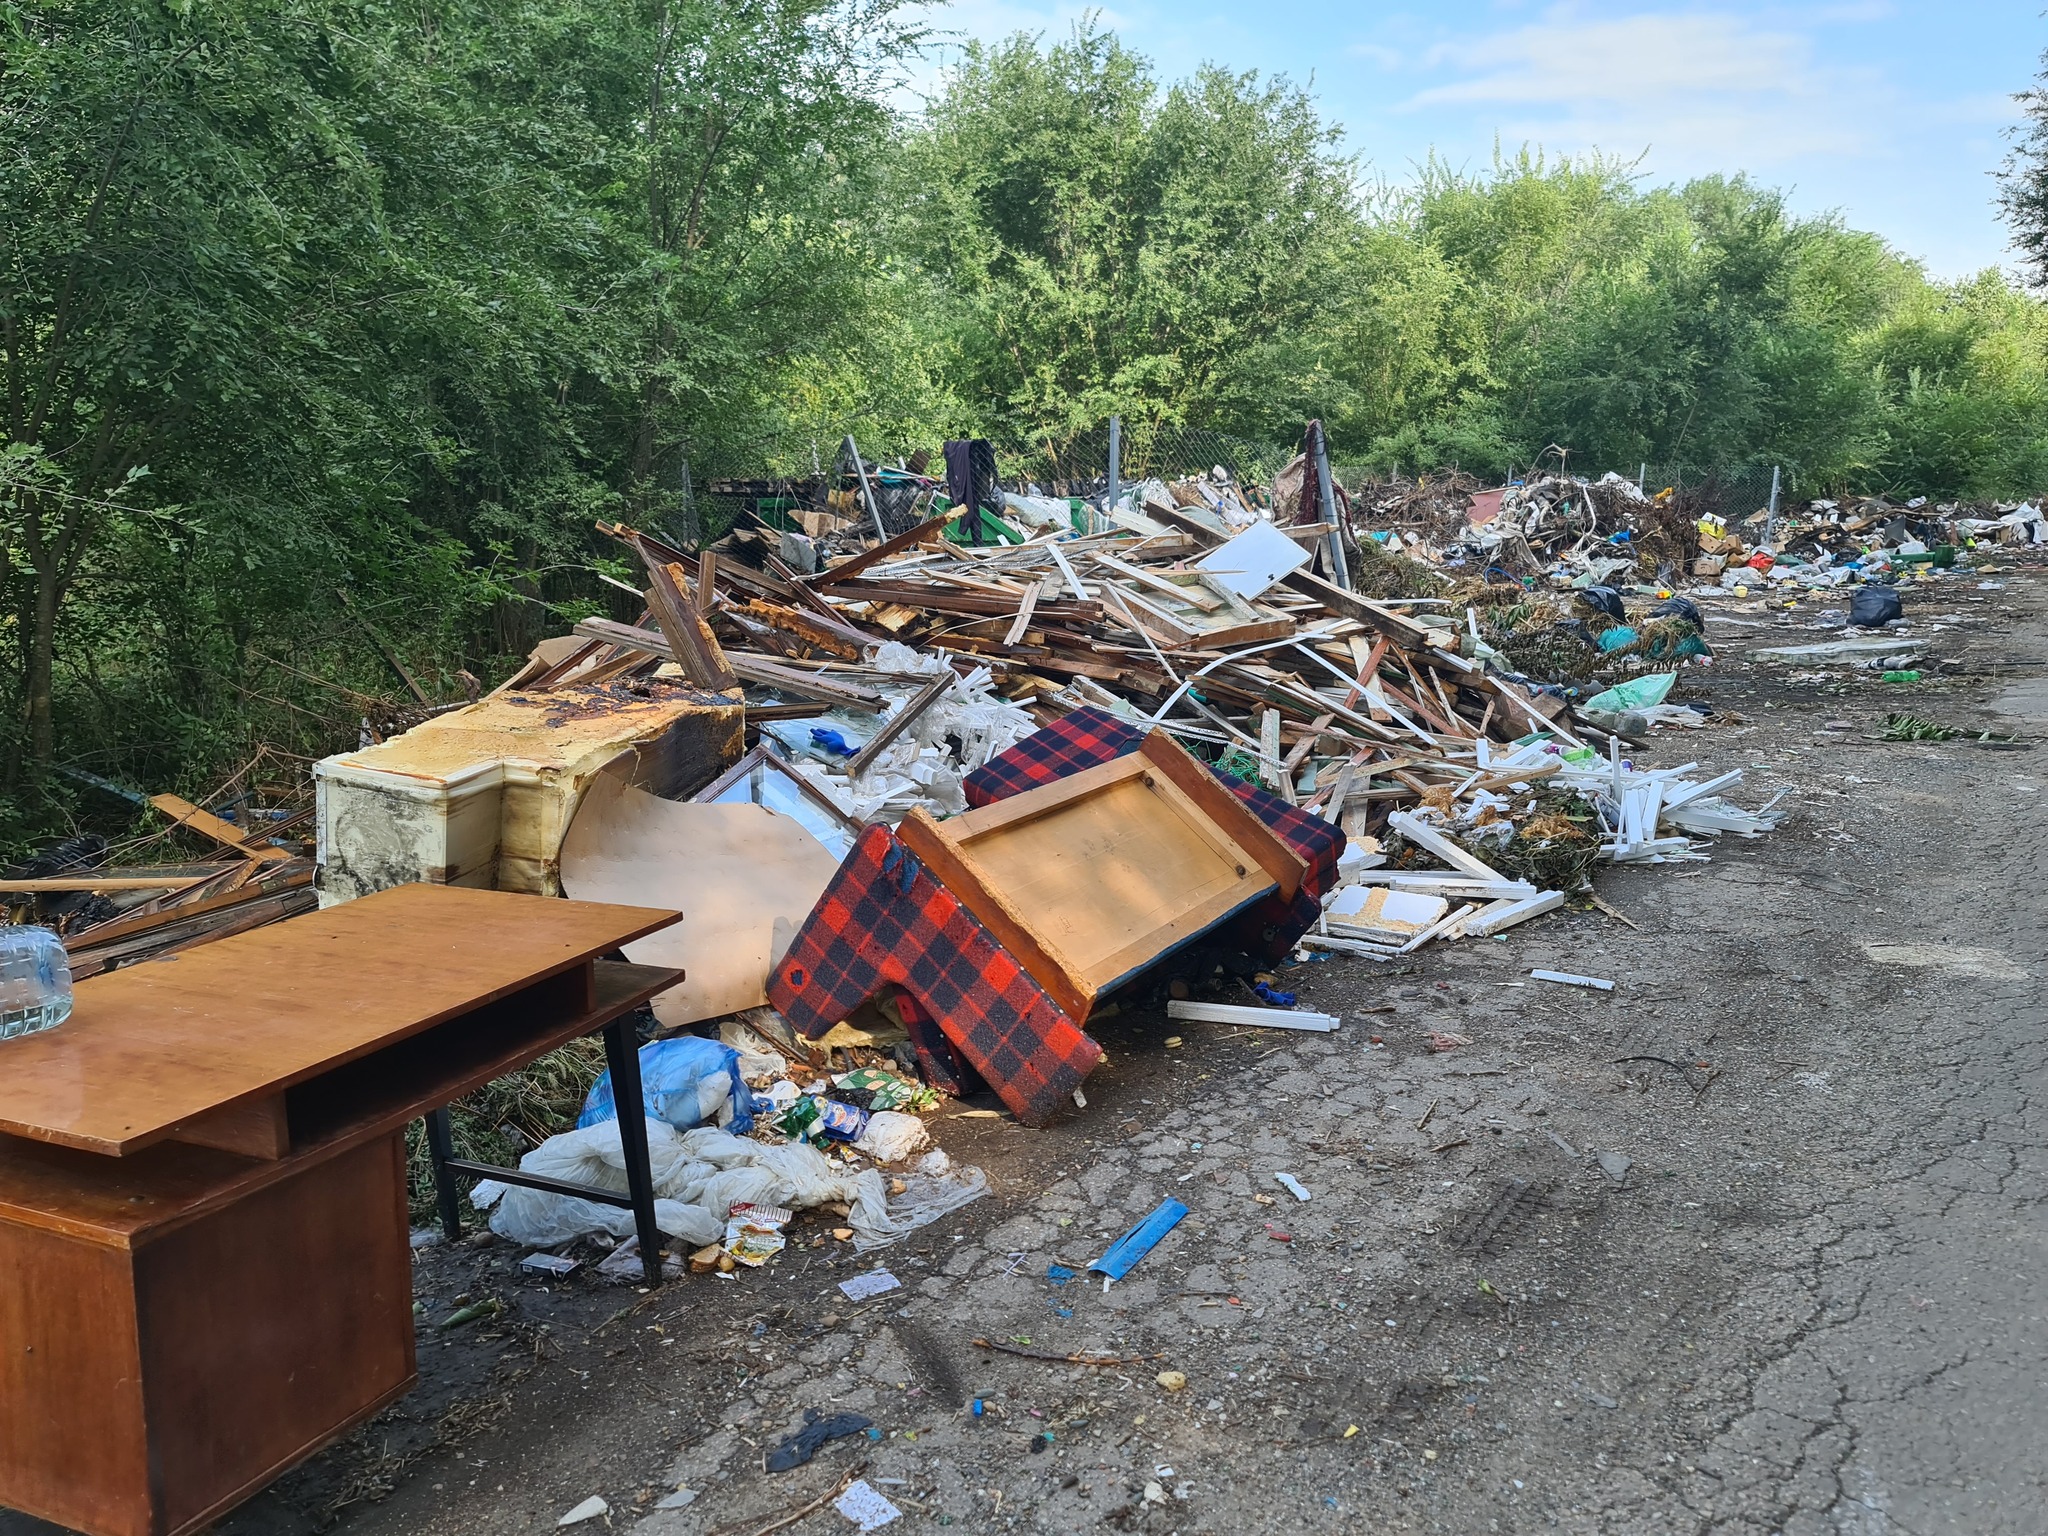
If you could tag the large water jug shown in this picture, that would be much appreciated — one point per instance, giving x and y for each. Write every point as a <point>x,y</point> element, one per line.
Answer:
<point>35,981</point>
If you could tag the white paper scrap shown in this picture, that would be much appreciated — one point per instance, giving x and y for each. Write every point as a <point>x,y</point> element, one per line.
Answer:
<point>877,1282</point>
<point>866,1507</point>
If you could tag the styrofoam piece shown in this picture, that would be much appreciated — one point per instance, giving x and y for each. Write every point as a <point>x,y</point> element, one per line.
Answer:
<point>1567,979</point>
<point>1264,1018</point>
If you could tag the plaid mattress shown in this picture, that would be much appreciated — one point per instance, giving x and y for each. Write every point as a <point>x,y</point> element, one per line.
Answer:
<point>886,921</point>
<point>1089,736</point>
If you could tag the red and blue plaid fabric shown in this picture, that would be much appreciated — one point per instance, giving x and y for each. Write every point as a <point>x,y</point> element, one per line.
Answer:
<point>886,921</point>
<point>1089,736</point>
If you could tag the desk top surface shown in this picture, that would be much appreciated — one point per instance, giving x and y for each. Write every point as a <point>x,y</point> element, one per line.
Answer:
<point>152,1046</point>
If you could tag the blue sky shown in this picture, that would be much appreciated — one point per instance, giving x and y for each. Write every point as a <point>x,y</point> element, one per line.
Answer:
<point>1889,112</point>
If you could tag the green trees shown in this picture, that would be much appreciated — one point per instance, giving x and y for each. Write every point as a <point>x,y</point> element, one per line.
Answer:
<point>1097,243</point>
<point>1559,303</point>
<point>304,298</point>
<point>1093,241</point>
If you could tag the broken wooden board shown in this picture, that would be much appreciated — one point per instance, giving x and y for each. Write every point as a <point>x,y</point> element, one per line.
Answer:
<point>186,814</point>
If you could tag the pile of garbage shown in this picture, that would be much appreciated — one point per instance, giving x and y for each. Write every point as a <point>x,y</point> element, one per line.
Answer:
<point>1550,527</point>
<point>1425,687</point>
<point>740,1139</point>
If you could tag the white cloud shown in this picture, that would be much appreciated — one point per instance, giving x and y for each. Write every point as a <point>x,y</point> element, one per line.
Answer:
<point>1702,89</point>
<point>1375,53</point>
<point>1624,59</point>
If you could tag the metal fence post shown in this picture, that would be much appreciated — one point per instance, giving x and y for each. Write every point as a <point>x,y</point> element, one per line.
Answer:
<point>1340,568</point>
<point>868,496</point>
<point>1116,445</point>
<point>1771,517</point>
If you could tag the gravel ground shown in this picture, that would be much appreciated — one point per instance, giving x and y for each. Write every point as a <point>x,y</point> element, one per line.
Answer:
<point>1752,1243</point>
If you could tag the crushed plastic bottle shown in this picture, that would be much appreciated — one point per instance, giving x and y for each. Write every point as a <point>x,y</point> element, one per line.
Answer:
<point>35,981</point>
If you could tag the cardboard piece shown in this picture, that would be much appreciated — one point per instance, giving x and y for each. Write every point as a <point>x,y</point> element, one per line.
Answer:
<point>743,876</point>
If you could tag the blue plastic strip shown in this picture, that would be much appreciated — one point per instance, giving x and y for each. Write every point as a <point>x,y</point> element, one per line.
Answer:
<point>1139,1241</point>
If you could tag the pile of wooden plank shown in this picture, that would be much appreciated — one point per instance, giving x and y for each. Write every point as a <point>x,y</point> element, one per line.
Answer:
<point>1344,705</point>
<point>252,882</point>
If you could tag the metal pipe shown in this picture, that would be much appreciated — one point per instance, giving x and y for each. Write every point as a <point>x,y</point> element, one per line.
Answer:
<point>866,495</point>
<point>1116,447</point>
<point>1340,568</point>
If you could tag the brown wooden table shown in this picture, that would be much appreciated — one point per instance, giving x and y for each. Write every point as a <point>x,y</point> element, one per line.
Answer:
<point>203,1193</point>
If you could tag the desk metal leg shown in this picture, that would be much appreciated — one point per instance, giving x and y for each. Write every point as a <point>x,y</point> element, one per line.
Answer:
<point>440,1148</point>
<point>622,1055</point>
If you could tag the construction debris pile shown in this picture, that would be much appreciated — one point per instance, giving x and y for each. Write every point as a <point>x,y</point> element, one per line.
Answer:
<point>115,914</point>
<point>875,769</point>
<point>1549,526</point>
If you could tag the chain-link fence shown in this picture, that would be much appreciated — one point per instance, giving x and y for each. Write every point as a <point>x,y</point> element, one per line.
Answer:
<point>1732,492</point>
<point>1072,464</point>
<point>1078,465</point>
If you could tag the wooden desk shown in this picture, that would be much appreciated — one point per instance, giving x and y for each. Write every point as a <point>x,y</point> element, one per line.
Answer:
<point>202,1185</point>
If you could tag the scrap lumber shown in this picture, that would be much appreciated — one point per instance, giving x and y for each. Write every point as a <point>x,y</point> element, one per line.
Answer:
<point>206,824</point>
<point>683,624</point>
<point>752,668</point>
<point>897,723</point>
<point>59,884</point>
<point>909,539</point>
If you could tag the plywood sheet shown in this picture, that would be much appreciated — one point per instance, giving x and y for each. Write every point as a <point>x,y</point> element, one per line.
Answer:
<point>743,876</point>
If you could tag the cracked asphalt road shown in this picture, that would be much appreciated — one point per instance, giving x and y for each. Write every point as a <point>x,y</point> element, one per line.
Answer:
<point>1561,1279</point>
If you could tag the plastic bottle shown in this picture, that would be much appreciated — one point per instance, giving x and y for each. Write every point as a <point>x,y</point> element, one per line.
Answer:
<point>35,981</point>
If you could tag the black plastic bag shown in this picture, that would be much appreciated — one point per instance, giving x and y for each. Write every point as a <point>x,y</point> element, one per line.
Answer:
<point>1874,607</point>
<point>1681,608</point>
<point>1607,600</point>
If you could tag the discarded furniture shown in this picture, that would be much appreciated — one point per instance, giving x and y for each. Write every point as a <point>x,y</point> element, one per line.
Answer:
<point>885,922</point>
<point>203,1190</point>
<point>483,795</point>
<point>1004,926</point>
<point>1091,878</point>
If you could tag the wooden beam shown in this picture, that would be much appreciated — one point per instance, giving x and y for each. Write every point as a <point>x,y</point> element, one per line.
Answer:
<point>752,669</point>
<point>62,883</point>
<point>682,623</point>
<point>1022,622</point>
<point>206,824</point>
<point>909,539</point>
<point>1362,610</point>
<point>899,722</point>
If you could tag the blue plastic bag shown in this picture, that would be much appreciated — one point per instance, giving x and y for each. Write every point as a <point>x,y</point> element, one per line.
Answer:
<point>672,1074</point>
